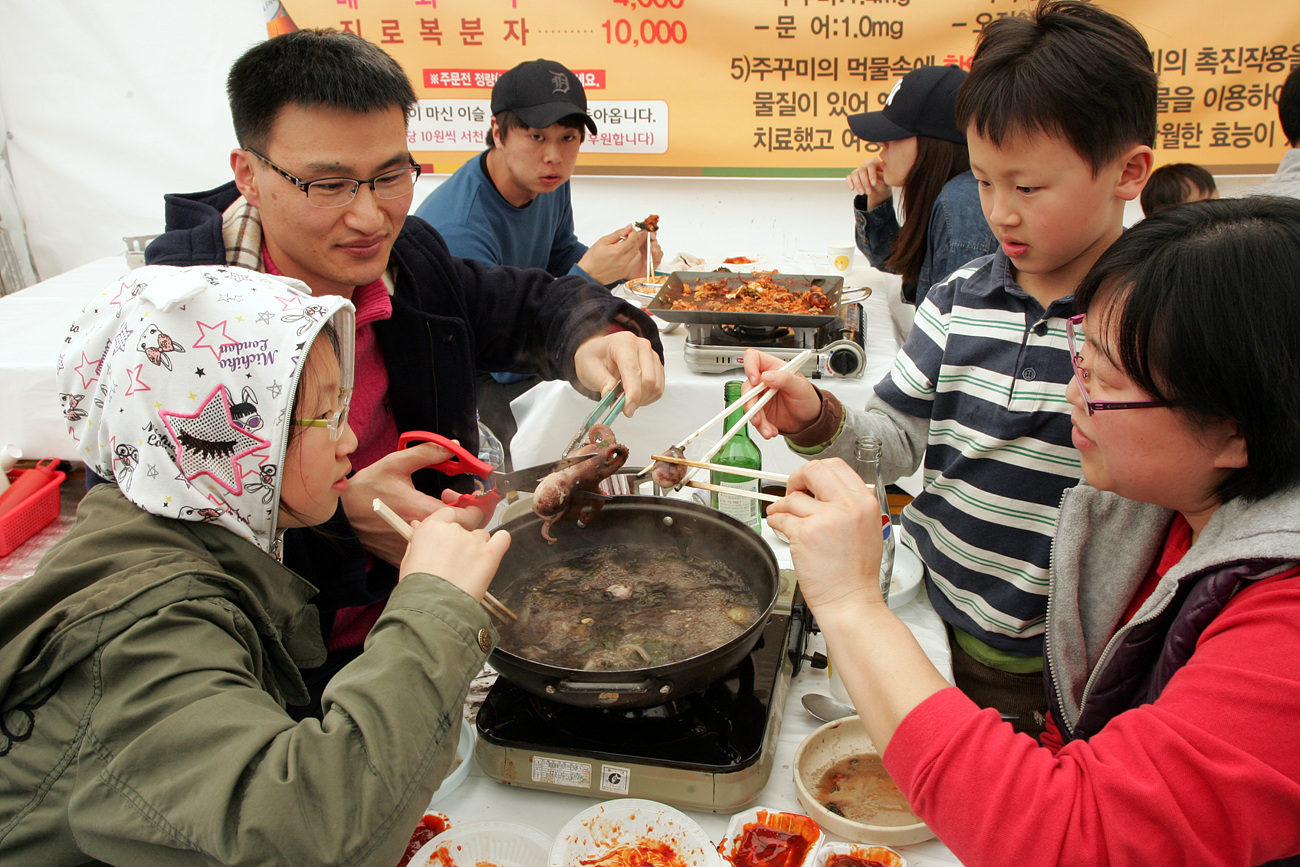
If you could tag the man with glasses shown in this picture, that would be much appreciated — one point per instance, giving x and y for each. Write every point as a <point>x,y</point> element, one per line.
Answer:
<point>323,185</point>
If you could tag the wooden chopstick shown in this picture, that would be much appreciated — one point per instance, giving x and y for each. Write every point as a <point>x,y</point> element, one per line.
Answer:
<point>744,419</point>
<point>490,602</point>
<point>735,471</point>
<point>739,492</point>
<point>753,392</point>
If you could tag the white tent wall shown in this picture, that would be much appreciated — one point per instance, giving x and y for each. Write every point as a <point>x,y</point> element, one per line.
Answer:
<point>16,271</point>
<point>109,106</point>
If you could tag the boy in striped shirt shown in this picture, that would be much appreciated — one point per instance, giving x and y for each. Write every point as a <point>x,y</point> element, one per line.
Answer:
<point>1060,115</point>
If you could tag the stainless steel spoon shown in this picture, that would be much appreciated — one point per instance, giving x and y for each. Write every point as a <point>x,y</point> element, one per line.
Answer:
<point>828,709</point>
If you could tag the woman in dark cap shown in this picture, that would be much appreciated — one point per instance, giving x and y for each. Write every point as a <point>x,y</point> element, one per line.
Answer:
<point>923,156</point>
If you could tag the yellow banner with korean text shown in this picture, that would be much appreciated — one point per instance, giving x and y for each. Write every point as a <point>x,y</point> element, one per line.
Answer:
<point>761,88</point>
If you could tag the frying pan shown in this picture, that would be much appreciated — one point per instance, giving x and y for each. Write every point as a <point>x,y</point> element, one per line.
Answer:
<point>665,522</point>
<point>661,305</point>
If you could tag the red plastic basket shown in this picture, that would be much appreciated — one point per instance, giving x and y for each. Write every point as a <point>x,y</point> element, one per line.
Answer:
<point>24,520</point>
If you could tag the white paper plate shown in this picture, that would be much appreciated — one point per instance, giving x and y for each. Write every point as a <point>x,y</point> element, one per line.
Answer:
<point>502,844</point>
<point>464,760</point>
<point>883,854</point>
<point>609,825</point>
<point>905,580</point>
<point>773,818</point>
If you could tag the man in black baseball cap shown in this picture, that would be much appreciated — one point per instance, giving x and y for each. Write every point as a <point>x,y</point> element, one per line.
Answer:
<point>540,93</point>
<point>511,205</point>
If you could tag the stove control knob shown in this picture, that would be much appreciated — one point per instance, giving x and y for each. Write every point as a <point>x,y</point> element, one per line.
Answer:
<point>844,358</point>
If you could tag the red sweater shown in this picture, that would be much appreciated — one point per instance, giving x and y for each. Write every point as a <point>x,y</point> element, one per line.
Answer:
<point>1207,775</point>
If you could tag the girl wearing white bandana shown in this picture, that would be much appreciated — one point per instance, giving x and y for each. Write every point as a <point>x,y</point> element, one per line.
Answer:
<point>145,666</point>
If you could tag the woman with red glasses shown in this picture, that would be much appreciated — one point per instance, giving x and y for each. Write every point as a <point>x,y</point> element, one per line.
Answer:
<point>1173,630</point>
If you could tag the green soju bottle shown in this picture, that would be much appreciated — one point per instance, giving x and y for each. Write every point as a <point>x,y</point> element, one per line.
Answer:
<point>739,451</point>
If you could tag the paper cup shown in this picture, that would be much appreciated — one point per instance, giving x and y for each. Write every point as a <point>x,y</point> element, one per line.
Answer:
<point>840,257</point>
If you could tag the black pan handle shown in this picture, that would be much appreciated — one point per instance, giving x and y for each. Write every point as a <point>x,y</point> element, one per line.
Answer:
<point>575,686</point>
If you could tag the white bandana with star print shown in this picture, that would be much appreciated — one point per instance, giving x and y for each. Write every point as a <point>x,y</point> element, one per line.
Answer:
<point>177,385</point>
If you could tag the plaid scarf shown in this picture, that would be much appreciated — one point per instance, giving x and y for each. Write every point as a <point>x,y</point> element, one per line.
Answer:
<point>241,230</point>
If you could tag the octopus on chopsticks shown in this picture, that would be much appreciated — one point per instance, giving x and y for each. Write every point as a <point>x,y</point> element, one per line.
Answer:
<point>572,492</point>
<point>649,224</point>
<point>667,475</point>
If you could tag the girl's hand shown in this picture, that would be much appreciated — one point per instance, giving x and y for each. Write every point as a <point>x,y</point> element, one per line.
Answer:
<point>466,558</point>
<point>796,403</point>
<point>833,523</point>
<point>868,180</point>
<point>389,479</point>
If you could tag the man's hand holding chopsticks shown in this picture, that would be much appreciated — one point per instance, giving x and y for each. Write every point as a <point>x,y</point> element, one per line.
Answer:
<point>603,361</point>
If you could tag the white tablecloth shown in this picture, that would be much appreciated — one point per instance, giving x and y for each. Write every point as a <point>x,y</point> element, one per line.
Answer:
<point>35,323</point>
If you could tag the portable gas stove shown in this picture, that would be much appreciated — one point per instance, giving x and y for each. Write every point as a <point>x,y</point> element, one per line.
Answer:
<point>712,750</point>
<point>840,350</point>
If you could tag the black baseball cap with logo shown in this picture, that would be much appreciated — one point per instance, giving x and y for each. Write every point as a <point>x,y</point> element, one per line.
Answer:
<point>923,102</point>
<point>541,92</point>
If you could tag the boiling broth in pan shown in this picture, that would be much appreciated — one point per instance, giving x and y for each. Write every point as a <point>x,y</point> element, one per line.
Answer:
<point>626,607</point>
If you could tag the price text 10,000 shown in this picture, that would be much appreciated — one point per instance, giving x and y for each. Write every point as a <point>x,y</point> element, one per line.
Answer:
<point>650,4</point>
<point>650,32</point>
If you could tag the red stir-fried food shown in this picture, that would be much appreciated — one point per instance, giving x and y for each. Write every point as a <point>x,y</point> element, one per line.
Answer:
<point>769,847</point>
<point>430,826</point>
<point>759,295</point>
<point>854,861</point>
<point>643,854</point>
<point>773,839</point>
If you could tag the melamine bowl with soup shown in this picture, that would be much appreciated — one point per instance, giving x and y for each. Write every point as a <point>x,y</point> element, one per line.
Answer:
<point>842,784</point>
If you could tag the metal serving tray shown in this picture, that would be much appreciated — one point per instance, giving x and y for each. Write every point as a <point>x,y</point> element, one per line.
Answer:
<point>661,304</point>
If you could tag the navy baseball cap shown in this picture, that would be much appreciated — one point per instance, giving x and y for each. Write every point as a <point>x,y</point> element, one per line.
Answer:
<point>923,102</point>
<point>541,92</point>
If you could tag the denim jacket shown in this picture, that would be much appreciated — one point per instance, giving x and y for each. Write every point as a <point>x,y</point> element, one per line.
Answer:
<point>957,234</point>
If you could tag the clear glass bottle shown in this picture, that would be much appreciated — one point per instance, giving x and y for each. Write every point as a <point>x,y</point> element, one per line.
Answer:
<point>739,451</point>
<point>867,462</point>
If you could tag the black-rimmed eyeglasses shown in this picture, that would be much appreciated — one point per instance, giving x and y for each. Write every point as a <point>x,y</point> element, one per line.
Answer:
<point>337,192</point>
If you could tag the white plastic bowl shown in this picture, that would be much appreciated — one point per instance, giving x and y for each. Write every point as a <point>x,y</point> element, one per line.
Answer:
<point>825,747</point>
<point>464,759</point>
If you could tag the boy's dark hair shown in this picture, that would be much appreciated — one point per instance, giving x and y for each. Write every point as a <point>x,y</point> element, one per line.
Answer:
<point>508,120</point>
<point>1288,108</point>
<point>937,162</point>
<point>1207,298</point>
<point>312,68</point>
<point>1173,184</point>
<point>1070,70</point>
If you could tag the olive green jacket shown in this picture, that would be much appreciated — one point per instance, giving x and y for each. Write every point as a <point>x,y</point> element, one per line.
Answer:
<point>143,672</point>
